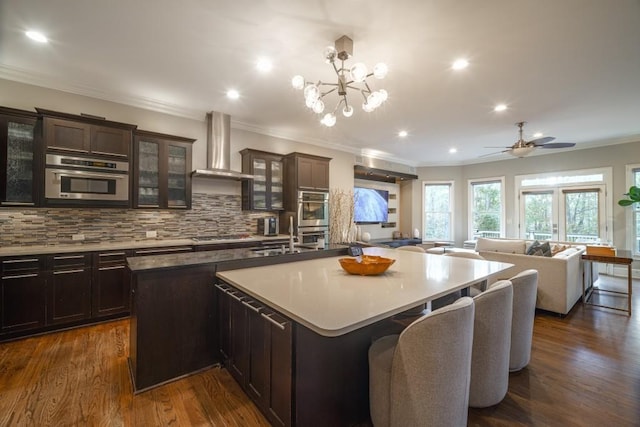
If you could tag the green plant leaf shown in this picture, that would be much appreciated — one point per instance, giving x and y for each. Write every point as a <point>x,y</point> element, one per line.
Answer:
<point>625,202</point>
<point>634,193</point>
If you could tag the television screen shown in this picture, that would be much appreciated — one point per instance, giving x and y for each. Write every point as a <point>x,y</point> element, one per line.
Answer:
<point>371,205</point>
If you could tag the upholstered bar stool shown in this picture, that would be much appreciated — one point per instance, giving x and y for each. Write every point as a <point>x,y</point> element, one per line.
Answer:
<point>525,289</point>
<point>491,345</point>
<point>421,377</point>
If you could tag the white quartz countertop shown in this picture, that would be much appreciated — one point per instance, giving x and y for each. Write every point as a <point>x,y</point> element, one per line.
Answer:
<point>320,295</point>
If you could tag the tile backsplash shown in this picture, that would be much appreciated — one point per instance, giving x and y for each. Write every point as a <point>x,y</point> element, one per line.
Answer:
<point>211,214</point>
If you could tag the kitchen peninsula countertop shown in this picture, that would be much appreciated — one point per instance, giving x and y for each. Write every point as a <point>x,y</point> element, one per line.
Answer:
<point>88,246</point>
<point>321,296</point>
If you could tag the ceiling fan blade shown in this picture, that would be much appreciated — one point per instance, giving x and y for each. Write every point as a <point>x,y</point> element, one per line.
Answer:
<point>493,154</point>
<point>507,147</point>
<point>558,145</point>
<point>540,142</point>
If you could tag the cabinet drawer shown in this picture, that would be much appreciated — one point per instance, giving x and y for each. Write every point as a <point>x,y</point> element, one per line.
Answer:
<point>112,258</point>
<point>23,265</point>
<point>163,251</point>
<point>66,261</point>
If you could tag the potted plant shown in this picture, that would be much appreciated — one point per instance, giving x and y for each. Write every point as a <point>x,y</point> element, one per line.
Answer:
<point>633,197</point>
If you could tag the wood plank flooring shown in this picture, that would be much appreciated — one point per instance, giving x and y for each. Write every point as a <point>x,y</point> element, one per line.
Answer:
<point>585,371</point>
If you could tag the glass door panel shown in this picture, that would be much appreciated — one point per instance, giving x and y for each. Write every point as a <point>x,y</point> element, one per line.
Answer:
<point>276,185</point>
<point>538,217</point>
<point>259,184</point>
<point>149,174</point>
<point>581,213</point>
<point>177,179</point>
<point>20,154</point>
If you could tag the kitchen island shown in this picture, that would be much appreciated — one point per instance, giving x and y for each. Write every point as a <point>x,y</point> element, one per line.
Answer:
<point>328,318</point>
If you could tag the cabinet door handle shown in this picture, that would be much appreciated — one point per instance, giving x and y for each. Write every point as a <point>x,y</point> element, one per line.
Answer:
<point>256,309</point>
<point>69,271</point>
<point>222,289</point>
<point>278,324</point>
<point>17,204</point>
<point>20,276</point>
<point>112,254</point>
<point>16,261</point>
<point>235,297</point>
<point>118,267</point>
<point>68,257</point>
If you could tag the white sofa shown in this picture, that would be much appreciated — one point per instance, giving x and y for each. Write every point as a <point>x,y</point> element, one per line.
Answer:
<point>559,276</point>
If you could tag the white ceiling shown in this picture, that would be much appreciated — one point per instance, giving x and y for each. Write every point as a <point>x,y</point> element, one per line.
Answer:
<point>570,68</point>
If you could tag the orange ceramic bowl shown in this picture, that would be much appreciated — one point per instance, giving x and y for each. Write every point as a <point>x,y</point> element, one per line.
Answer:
<point>369,266</point>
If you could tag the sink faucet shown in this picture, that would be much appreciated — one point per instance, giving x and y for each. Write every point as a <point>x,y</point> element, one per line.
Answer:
<point>291,243</point>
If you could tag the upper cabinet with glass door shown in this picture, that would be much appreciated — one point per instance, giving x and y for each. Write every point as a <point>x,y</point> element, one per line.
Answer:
<point>265,192</point>
<point>20,158</point>
<point>162,167</point>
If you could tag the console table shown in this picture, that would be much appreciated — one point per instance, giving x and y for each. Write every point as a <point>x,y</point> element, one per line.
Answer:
<point>623,258</point>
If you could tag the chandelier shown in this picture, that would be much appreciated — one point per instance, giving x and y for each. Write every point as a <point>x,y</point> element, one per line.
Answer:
<point>354,78</point>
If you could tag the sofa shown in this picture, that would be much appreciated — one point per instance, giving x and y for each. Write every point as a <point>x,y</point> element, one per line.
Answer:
<point>560,273</point>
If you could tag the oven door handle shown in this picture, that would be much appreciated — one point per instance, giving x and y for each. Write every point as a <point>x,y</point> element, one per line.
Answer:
<point>84,173</point>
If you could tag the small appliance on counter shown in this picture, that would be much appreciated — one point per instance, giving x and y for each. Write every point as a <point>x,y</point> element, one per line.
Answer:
<point>268,226</point>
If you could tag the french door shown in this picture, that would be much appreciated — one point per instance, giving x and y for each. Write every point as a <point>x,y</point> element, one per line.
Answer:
<point>570,214</point>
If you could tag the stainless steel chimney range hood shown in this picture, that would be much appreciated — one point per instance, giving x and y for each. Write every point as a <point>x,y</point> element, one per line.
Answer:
<point>219,150</point>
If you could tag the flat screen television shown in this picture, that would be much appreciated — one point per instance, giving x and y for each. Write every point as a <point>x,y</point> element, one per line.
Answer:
<point>371,205</point>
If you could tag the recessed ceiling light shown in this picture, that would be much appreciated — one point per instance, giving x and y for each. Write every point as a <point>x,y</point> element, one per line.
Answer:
<point>233,94</point>
<point>537,134</point>
<point>453,150</point>
<point>460,64</point>
<point>264,65</point>
<point>37,36</point>
<point>500,107</point>
<point>403,133</point>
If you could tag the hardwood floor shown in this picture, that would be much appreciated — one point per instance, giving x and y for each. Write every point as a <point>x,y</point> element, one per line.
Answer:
<point>584,371</point>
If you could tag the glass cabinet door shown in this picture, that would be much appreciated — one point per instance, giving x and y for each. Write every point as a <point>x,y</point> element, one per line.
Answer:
<point>148,174</point>
<point>20,154</point>
<point>176,186</point>
<point>276,185</point>
<point>260,184</point>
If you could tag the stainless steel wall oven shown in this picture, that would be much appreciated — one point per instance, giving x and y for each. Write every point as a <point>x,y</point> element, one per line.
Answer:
<point>86,180</point>
<point>313,209</point>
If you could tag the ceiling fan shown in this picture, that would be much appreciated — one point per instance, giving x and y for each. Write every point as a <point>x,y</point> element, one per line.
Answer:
<point>523,148</point>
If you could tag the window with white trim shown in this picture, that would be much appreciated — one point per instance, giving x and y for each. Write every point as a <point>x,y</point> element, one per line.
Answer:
<point>633,178</point>
<point>437,212</point>
<point>486,208</point>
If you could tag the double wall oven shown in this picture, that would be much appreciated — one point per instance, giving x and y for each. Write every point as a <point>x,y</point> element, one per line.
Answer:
<point>86,180</point>
<point>313,217</point>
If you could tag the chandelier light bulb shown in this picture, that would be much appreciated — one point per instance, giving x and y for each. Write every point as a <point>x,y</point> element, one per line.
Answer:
<point>383,94</point>
<point>310,102</point>
<point>366,107</point>
<point>380,70</point>
<point>297,82</point>
<point>330,54</point>
<point>311,92</point>
<point>347,111</point>
<point>318,106</point>
<point>328,120</point>
<point>358,72</point>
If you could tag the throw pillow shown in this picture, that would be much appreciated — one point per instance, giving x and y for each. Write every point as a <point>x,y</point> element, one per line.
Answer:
<point>540,249</point>
<point>557,248</point>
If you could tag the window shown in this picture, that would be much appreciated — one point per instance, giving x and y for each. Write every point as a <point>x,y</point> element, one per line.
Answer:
<point>633,178</point>
<point>486,208</point>
<point>437,219</point>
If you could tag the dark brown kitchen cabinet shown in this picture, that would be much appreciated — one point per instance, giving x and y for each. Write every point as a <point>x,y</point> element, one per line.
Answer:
<point>20,158</point>
<point>256,343</point>
<point>22,294</point>
<point>162,171</point>
<point>110,284</point>
<point>306,172</point>
<point>69,288</point>
<point>163,250</point>
<point>86,135</point>
<point>265,191</point>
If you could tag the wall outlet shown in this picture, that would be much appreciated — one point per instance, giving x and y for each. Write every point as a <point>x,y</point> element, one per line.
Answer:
<point>77,237</point>
<point>152,234</point>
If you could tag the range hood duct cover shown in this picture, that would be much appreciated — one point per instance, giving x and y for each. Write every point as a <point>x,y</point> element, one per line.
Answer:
<point>219,149</point>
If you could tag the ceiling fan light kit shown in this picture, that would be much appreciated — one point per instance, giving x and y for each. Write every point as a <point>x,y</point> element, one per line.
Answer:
<point>354,78</point>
